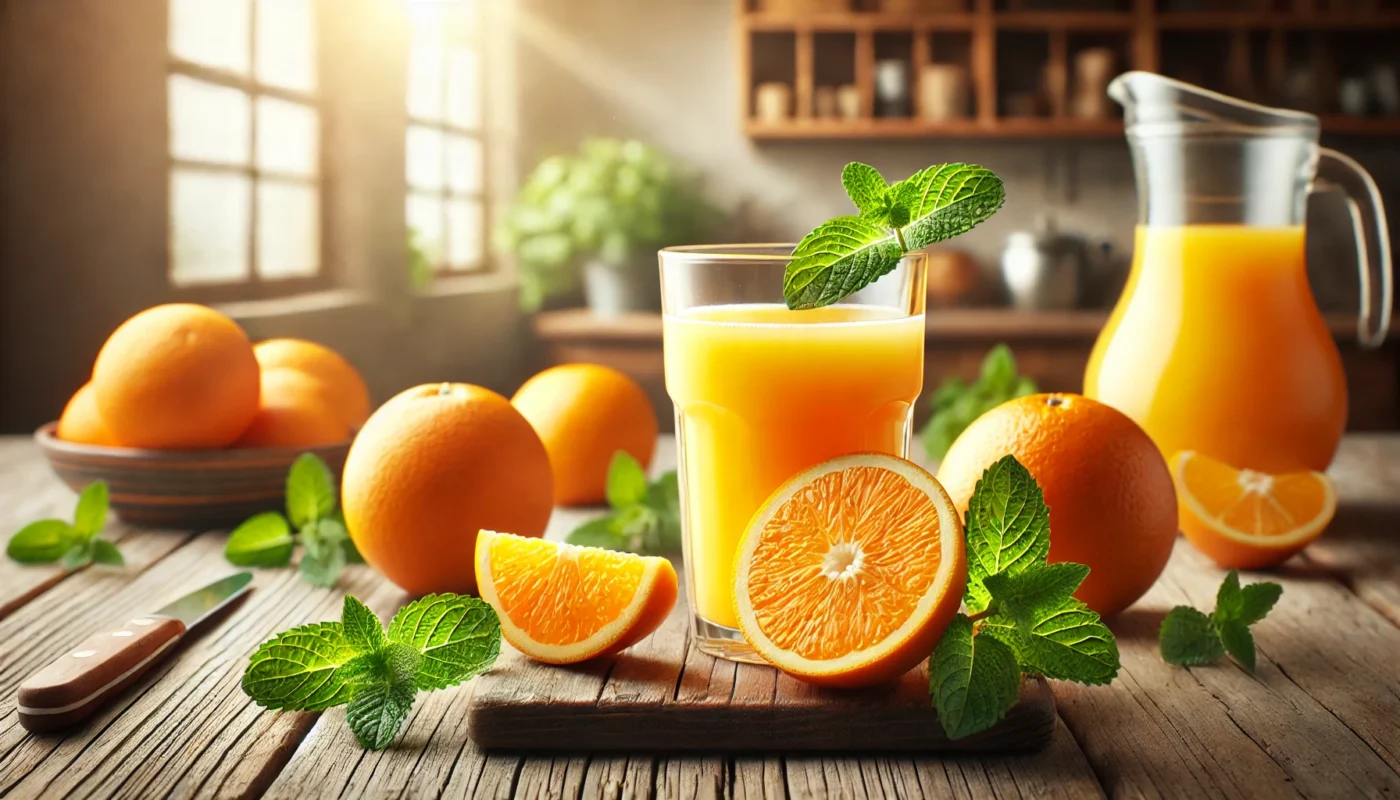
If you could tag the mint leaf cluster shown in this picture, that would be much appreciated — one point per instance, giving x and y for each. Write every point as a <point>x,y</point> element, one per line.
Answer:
<point>438,641</point>
<point>645,517</point>
<point>1021,616</point>
<point>1191,638</point>
<point>267,539</point>
<point>75,544</point>
<point>957,403</point>
<point>846,254</point>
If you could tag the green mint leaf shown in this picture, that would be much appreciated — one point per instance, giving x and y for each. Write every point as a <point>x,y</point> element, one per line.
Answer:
<point>1024,386</point>
<point>459,637</point>
<point>262,540</point>
<point>310,490</point>
<point>1238,641</point>
<point>352,553</point>
<point>390,663</point>
<point>104,552</point>
<point>1068,642</point>
<point>297,669</point>
<point>637,527</point>
<point>1023,595</point>
<point>42,542</point>
<point>1008,527</point>
<point>1257,601</point>
<point>1188,637</point>
<point>378,712</point>
<point>363,630</point>
<point>973,679</point>
<point>627,481</point>
<point>840,257</point>
<point>90,517</point>
<point>1247,604</point>
<point>866,188</point>
<point>664,495</point>
<point>999,369</point>
<point>79,555</point>
<point>322,566</point>
<point>1229,600</point>
<point>947,200</point>
<point>600,532</point>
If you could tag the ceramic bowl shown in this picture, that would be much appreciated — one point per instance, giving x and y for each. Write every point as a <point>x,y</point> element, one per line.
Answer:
<point>183,489</point>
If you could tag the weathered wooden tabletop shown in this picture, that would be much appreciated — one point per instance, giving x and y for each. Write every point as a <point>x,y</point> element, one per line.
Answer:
<point>1319,718</point>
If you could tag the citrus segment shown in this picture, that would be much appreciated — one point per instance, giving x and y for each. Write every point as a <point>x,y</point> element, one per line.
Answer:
<point>1245,519</point>
<point>561,603</point>
<point>848,573</point>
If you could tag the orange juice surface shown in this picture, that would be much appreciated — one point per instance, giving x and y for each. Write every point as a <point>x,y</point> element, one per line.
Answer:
<point>761,393</point>
<point>1217,346</point>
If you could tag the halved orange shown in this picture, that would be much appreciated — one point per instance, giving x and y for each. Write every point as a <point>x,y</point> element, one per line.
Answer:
<point>561,603</point>
<point>1245,519</point>
<point>848,574</point>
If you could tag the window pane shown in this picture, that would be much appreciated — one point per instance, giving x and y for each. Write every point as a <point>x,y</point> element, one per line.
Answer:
<point>463,89</point>
<point>208,227</point>
<point>286,44</point>
<point>289,230</point>
<point>210,32</point>
<point>424,215</point>
<point>287,136</point>
<point>425,74</point>
<point>208,122</point>
<point>463,234</point>
<point>424,147</point>
<point>463,164</point>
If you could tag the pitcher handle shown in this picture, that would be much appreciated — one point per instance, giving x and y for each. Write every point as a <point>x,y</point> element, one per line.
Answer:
<point>1342,173</point>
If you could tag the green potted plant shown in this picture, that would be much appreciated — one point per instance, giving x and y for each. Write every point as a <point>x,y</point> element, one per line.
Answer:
<point>601,214</point>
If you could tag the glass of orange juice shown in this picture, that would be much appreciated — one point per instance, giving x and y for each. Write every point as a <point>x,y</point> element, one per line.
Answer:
<point>762,392</point>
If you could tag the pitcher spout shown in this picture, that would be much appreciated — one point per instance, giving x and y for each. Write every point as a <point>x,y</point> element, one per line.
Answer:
<point>1154,105</point>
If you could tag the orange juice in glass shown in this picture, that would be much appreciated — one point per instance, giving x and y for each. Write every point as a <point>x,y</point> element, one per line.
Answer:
<point>1217,344</point>
<point>762,392</point>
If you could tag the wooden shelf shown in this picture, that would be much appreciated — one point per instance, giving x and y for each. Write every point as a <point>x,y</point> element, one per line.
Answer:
<point>1236,20</point>
<point>1004,128</point>
<point>991,45</point>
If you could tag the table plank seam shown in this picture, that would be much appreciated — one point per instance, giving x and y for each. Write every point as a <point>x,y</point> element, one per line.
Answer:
<point>1348,582</point>
<point>1387,758</point>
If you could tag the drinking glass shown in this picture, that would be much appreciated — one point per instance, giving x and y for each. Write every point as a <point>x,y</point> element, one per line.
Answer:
<point>762,392</point>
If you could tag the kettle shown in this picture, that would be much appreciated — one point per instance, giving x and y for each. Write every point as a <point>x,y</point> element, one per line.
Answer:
<point>1048,270</point>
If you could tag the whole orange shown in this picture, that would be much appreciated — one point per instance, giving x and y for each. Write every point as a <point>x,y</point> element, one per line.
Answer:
<point>348,394</point>
<point>80,421</point>
<point>429,470</point>
<point>584,413</point>
<point>293,411</point>
<point>178,377</point>
<point>1112,502</point>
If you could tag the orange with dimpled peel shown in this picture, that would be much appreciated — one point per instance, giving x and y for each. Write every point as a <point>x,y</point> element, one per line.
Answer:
<point>849,573</point>
<point>561,603</point>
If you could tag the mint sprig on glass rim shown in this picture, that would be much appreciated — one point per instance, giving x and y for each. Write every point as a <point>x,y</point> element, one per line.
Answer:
<point>846,254</point>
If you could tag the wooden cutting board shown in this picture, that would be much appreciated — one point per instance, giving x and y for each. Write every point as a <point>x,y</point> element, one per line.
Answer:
<point>664,695</point>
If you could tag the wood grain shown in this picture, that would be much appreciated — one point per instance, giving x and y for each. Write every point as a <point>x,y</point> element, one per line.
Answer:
<point>1317,719</point>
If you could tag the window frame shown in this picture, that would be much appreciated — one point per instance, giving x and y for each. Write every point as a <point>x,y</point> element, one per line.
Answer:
<point>457,34</point>
<point>254,286</point>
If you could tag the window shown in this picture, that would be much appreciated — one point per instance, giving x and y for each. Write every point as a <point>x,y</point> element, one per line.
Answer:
<point>245,204</point>
<point>446,208</point>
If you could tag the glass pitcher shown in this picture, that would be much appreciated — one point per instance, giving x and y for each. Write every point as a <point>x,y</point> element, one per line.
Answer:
<point>1217,344</point>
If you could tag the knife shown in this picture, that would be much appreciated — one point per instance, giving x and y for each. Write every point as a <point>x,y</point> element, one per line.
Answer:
<point>79,681</point>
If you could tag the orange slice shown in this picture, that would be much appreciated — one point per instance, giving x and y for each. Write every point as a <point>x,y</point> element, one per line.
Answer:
<point>562,603</point>
<point>1245,519</point>
<point>849,572</point>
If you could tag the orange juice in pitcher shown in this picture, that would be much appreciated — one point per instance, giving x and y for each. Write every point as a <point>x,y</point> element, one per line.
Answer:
<point>1217,345</point>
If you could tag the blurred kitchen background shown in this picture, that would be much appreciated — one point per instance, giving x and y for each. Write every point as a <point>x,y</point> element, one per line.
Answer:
<point>472,189</point>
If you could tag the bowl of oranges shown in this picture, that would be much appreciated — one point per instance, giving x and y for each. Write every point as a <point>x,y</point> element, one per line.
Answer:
<point>192,425</point>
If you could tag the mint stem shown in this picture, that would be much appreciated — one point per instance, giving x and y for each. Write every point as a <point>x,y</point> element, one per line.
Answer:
<point>983,614</point>
<point>899,237</point>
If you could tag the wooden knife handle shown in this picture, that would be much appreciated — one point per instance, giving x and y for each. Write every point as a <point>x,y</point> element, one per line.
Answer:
<point>79,681</point>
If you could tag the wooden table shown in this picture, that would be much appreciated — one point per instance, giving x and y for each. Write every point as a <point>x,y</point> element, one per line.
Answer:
<point>1320,717</point>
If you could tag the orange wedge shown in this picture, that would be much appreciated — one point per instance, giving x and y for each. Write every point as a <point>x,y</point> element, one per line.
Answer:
<point>849,572</point>
<point>562,604</point>
<point>1245,519</point>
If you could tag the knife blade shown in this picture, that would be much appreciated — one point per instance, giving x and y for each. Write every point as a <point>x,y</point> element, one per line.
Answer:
<point>78,682</point>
